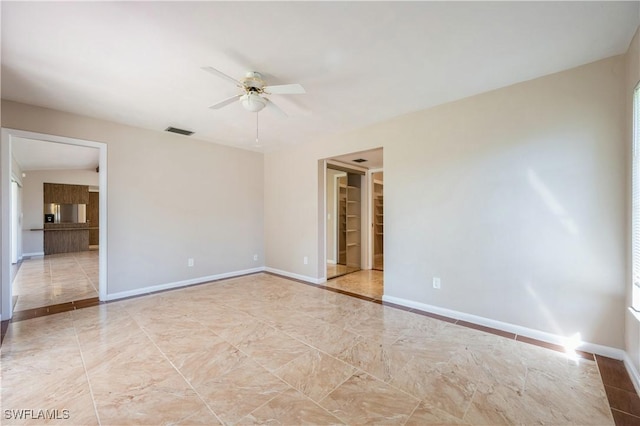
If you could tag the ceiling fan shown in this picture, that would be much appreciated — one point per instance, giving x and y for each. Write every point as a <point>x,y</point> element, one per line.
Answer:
<point>254,90</point>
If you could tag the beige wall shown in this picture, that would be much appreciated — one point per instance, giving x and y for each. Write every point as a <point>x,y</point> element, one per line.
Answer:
<point>32,201</point>
<point>632,329</point>
<point>169,198</point>
<point>514,198</point>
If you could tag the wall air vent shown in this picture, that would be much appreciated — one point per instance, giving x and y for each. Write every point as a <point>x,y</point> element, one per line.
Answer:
<point>359,160</point>
<point>178,131</point>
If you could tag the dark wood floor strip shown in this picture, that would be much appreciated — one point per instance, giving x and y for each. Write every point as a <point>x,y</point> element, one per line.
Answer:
<point>54,309</point>
<point>614,373</point>
<point>623,400</point>
<point>586,355</point>
<point>393,305</point>
<point>4,325</point>
<point>553,347</point>
<point>487,329</point>
<point>434,316</point>
<point>86,303</point>
<point>621,394</point>
<point>339,275</point>
<point>624,419</point>
<point>540,343</point>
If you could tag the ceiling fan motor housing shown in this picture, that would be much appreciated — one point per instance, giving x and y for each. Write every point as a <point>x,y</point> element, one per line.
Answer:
<point>253,81</point>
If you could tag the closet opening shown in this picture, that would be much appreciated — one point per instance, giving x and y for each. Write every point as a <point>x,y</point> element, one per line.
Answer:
<point>344,214</point>
<point>354,243</point>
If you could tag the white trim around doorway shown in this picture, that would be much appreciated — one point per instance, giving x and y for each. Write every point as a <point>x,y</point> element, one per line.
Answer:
<point>6,136</point>
<point>370,244</point>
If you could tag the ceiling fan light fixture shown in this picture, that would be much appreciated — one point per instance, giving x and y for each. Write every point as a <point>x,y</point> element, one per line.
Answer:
<point>253,102</point>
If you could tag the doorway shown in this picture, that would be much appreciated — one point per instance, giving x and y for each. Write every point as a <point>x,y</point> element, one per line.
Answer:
<point>353,249</point>
<point>93,267</point>
<point>344,217</point>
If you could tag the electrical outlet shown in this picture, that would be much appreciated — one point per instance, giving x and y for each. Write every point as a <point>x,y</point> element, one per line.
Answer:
<point>436,282</point>
<point>305,260</point>
<point>190,262</point>
<point>255,257</point>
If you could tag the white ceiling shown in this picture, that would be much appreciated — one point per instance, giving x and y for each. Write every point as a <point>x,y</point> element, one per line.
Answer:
<point>42,155</point>
<point>139,63</point>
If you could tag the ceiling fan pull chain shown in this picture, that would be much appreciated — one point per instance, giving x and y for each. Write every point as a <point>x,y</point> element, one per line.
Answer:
<point>257,126</point>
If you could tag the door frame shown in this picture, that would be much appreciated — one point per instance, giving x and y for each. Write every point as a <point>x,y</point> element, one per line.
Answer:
<point>370,224</point>
<point>334,230</point>
<point>15,224</point>
<point>6,136</point>
<point>323,165</point>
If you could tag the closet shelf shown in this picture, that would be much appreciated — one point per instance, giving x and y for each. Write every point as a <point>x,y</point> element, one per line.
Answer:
<point>350,203</point>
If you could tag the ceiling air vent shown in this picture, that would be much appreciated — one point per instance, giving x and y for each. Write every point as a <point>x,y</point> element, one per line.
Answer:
<point>359,160</point>
<point>178,131</point>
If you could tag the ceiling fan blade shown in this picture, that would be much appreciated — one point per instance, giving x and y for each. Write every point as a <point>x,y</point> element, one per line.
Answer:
<point>225,102</point>
<point>285,89</point>
<point>222,75</point>
<point>275,108</point>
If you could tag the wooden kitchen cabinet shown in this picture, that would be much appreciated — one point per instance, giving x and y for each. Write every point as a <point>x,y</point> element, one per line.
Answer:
<point>59,193</point>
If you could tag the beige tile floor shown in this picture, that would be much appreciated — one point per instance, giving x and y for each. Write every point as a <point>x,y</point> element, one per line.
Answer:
<point>334,270</point>
<point>366,283</point>
<point>54,279</point>
<point>262,349</point>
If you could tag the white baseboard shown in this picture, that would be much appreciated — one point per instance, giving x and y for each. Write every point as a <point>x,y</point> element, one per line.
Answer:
<point>633,372</point>
<point>178,284</point>
<point>36,254</point>
<point>296,276</point>
<point>331,261</point>
<point>594,348</point>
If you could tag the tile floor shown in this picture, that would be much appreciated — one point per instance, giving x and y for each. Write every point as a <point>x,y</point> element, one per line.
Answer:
<point>55,279</point>
<point>624,401</point>
<point>368,283</point>
<point>334,270</point>
<point>263,349</point>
